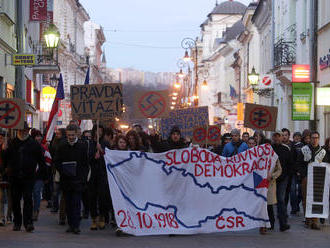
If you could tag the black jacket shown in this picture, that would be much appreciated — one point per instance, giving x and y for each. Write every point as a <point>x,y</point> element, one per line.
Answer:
<point>21,159</point>
<point>72,153</point>
<point>284,155</point>
<point>296,153</point>
<point>166,145</point>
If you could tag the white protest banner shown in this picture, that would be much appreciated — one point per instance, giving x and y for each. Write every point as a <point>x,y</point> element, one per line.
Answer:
<point>318,184</point>
<point>190,190</point>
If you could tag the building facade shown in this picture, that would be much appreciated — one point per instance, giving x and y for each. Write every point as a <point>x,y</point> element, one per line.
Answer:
<point>323,65</point>
<point>8,47</point>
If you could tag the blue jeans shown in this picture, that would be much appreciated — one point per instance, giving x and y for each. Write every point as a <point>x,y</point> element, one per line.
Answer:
<point>37,190</point>
<point>281,206</point>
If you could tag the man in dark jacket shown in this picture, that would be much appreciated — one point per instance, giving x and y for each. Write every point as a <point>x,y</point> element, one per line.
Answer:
<point>284,155</point>
<point>21,160</point>
<point>295,198</point>
<point>71,161</point>
<point>174,141</point>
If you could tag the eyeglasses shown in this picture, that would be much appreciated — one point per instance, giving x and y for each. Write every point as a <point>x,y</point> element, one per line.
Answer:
<point>315,137</point>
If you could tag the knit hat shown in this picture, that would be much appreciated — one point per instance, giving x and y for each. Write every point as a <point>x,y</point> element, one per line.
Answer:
<point>175,129</point>
<point>297,134</point>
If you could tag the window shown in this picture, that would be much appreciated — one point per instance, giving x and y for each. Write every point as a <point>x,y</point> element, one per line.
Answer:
<point>219,97</point>
<point>1,82</point>
<point>10,91</point>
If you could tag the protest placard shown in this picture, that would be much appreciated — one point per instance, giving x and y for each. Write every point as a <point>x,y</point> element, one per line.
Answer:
<point>96,101</point>
<point>186,119</point>
<point>12,113</point>
<point>151,104</point>
<point>260,117</point>
<point>208,135</point>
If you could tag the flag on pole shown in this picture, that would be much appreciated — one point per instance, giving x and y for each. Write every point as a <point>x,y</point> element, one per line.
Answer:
<point>233,93</point>
<point>52,121</point>
<point>82,123</point>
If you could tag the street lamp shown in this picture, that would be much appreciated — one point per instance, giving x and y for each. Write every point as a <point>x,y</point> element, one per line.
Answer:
<point>52,36</point>
<point>189,43</point>
<point>253,77</point>
<point>186,56</point>
<point>204,84</point>
<point>177,85</point>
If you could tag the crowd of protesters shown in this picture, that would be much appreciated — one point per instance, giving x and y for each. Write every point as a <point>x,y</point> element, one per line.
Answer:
<point>70,173</point>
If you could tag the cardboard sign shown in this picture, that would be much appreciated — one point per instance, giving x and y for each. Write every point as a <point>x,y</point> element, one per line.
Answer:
<point>151,104</point>
<point>96,101</point>
<point>12,113</point>
<point>260,117</point>
<point>186,119</point>
<point>199,135</point>
<point>318,182</point>
<point>210,135</point>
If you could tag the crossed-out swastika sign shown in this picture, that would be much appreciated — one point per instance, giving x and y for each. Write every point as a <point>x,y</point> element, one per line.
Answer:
<point>214,135</point>
<point>200,135</point>
<point>12,113</point>
<point>207,135</point>
<point>151,104</point>
<point>260,117</point>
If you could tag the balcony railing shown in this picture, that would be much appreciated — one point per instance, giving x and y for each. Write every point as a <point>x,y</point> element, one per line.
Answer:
<point>284,53</point>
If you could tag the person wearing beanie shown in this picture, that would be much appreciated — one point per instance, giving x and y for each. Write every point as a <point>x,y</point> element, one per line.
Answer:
<point>174,141</point>
<point>235,146</point>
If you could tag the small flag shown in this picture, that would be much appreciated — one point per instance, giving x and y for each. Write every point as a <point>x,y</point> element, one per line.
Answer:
<point>233,93</point>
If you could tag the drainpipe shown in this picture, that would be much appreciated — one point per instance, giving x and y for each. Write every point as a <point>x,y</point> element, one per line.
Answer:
<point>313,55</point>
<point>272,47</point>
<point>20,76</point>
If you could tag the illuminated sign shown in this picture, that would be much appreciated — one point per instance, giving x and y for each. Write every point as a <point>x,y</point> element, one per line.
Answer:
<point>323,96</point>
<point>300,73</point>
<point>47,98</point>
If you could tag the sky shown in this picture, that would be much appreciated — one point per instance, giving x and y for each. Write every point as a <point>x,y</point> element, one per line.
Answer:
<point>147,34</point>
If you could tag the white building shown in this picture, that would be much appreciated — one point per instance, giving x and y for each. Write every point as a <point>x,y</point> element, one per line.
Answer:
<point>69,17</point>
<point>323,65</point>
<point>217,46</point>
<point>94,40</point>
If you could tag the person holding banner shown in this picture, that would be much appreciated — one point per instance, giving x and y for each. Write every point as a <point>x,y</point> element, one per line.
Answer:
<point>312,152</point>
<point>235,146</point>
<point>72,163</point>
<point>174,141</point>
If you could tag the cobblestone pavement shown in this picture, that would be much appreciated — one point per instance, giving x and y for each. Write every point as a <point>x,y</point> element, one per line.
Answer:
<point>49,234</point>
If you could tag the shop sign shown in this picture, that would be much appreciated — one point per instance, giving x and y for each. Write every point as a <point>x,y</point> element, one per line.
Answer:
<point>302,99</point>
